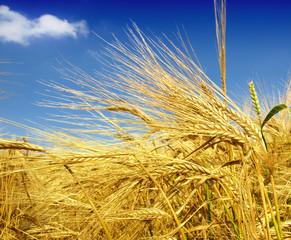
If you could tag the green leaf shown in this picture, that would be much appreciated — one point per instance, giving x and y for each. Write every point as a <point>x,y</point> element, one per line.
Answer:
<point>274,111</point>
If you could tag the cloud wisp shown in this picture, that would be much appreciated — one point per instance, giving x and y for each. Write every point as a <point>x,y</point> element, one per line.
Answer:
<point>14,27</point>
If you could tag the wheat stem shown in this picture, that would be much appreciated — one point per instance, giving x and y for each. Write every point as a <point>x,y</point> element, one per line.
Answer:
<point>167,200</point>
<point>90,201</point>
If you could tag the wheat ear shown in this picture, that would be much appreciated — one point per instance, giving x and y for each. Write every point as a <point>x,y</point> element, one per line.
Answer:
<point>13,144</point>
<point>255,99</point>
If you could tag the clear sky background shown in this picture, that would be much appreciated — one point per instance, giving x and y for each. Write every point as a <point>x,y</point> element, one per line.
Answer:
<point>35,33</point>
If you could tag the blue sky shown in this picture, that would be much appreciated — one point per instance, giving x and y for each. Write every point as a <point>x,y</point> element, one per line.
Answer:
<point>33,34</point>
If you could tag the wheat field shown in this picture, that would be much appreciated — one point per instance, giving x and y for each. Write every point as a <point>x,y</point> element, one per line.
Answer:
<point>156,151</point>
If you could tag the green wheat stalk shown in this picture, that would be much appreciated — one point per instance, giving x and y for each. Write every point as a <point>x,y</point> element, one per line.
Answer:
<point>274,110</point>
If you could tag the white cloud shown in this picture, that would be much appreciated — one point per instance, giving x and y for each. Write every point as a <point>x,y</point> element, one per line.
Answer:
<point>15,27</point>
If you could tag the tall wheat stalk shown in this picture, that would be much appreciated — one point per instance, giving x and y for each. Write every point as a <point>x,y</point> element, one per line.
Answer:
<point>220,22</point>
